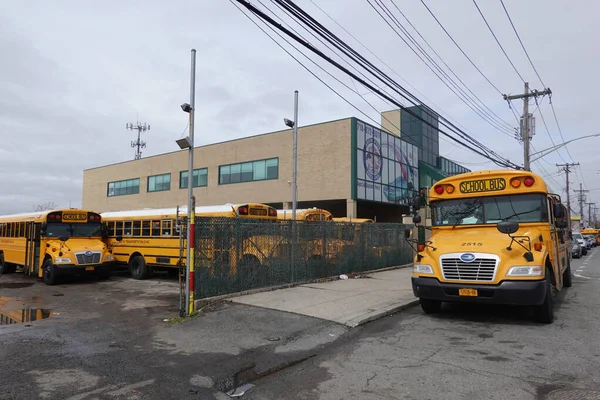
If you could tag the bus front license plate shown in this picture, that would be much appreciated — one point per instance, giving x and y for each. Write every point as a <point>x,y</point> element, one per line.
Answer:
<point>92,268</point>
<point>467,292</point>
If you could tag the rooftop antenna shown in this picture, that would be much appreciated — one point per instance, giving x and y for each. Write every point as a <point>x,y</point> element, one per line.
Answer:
<point>140,144</point>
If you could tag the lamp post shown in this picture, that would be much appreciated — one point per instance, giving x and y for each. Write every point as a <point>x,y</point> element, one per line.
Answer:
<point>294,125</point>
<point>188,143</point>
<point>558,146</point>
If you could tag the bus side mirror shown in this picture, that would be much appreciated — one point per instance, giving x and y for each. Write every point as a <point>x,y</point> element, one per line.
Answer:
<point>63,238</point>
<point>559,212</point>
<point>119,238</point>
<point>561,223</point>
<point>416,203</point>
<point>416,219</point>
<point>508,227</point>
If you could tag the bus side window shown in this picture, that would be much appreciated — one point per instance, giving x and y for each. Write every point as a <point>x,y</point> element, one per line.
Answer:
<point>166,227</point>
<point>137,228</point>
<point>155,228</point>
<point>10,230</point>
<point>127,228</point>
<point>119,228</point>
<point>145,228</point>
<point>110,228</point>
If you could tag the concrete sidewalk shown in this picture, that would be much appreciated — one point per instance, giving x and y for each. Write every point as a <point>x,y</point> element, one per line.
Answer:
<point>350,302</point>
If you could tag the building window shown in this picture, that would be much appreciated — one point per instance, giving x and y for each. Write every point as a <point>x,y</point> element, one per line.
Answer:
<point>199,178</point>
<point>159,183</point>
<point>249,171</point>
<point>121,188</point>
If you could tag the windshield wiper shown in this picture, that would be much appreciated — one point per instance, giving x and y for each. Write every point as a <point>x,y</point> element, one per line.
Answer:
<point>521,213</point>
<point>465,213</point>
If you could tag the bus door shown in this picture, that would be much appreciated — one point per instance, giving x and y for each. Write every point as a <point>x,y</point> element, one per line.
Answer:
<point>558,240</point>
<point>32,248</point>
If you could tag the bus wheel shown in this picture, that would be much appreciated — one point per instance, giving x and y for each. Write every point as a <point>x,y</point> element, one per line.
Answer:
<point>567,276</point>
<point>138,268</point>
<point>4,269</point>
<point>431,306</point>
<point>544,313</point>
<point>49,273</point>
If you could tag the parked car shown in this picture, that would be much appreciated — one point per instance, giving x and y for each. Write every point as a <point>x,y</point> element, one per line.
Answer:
<point>577,236</point>
<point>591,239</point>
<point>576,250</point>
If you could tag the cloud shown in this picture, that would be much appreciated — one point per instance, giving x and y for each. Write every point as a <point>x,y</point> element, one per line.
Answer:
<point>73,74</point>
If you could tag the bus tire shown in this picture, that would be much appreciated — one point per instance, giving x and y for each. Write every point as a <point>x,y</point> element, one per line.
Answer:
<point>138,268</point>
<point>544,313</point>
<point>4,268</point>
<point>431,306</point>
<point>567,276</point>
<point>49,273</point>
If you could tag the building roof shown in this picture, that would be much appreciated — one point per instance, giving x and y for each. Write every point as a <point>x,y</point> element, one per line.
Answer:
<point>217,143</point>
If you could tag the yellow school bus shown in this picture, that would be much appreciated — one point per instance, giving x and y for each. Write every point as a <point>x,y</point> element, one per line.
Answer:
<point>593,232</point>
<point>497,237</point>
<point>305,214</point>
<point>353,220</point>
<point>49,244</point>
<point>151,238</point>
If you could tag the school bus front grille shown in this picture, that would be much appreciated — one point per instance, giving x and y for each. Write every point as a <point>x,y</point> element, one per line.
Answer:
<point>93,258</point>
<point>480,269</point>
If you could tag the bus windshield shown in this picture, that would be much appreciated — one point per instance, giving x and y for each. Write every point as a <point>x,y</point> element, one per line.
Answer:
<point>54,229</point>
<point>490,210</point>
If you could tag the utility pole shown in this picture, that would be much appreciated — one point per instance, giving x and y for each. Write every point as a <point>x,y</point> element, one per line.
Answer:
<point>590,214</point>
<point>581,200</point>
<point>566,167</point>
<point>527,119</point>
<point>138,143</point>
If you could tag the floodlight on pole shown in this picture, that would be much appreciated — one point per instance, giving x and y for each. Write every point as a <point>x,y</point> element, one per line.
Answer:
<point>188,143</point>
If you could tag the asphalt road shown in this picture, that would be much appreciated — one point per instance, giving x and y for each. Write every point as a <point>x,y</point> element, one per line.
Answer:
<point>467,352</point>
<point>109,340</point>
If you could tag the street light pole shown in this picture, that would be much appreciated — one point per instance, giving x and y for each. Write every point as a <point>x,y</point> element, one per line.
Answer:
<point>190,213</point>
<point>558,146</point>
<point>295,158</point>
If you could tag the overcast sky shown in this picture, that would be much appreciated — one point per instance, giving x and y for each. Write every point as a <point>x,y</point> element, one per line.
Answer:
<point>73,73</point>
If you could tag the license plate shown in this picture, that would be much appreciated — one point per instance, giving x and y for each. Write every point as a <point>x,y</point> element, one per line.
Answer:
<point>467,292</point>
<point>89,268</point>
<point>483,185</point>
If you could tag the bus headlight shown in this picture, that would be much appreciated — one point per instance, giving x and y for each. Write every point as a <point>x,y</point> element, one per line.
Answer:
<point>525,271</point>
<point>62,260</point>
<point>422,269</point>
<point>109,257</point>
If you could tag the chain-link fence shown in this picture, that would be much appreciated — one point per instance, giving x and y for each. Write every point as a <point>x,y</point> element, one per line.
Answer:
<point>234,255</point>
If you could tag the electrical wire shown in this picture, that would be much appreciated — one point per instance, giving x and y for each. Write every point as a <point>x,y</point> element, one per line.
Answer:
<point>460,48</point>
<point>300,14</point>
<point>497,41</point>
<point>480,110</point>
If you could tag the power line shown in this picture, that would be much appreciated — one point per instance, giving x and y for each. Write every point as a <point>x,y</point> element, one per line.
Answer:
<point>497,41</point>
<point>461,50</point>
<point>522,45</point>
<point>300,14</point>
<point>391,69</point>
<point>480,110</point>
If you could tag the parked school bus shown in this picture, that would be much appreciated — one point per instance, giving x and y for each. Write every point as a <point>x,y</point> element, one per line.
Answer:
<point>498,237</point>
<point>151,238</point>
<point>49,244</point>
<point>593,232</point>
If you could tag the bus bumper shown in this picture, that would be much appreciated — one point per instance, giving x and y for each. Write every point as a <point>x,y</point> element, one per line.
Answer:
<point>506,292</point>
<point>72,269</point>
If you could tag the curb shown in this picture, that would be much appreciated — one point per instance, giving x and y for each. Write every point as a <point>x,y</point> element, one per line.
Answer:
<point>206,301</point>
<point>385,313</point>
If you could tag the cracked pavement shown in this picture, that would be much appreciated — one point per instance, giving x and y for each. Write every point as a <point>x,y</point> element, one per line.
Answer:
<point>466,352</point>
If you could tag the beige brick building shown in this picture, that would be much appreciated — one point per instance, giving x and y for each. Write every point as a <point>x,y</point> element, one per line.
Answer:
<point>346,166</point>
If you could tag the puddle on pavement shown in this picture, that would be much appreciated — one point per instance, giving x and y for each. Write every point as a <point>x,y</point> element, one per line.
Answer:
<point>15,285</point>
<point>11,314</point>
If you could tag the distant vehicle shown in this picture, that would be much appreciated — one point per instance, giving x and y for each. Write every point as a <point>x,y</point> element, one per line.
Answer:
<point>591,239</point>
<point>576,250</point>
<point>579,238</point>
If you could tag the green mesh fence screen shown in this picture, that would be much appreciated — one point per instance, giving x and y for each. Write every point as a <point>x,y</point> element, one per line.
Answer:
<point>234,255</point>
